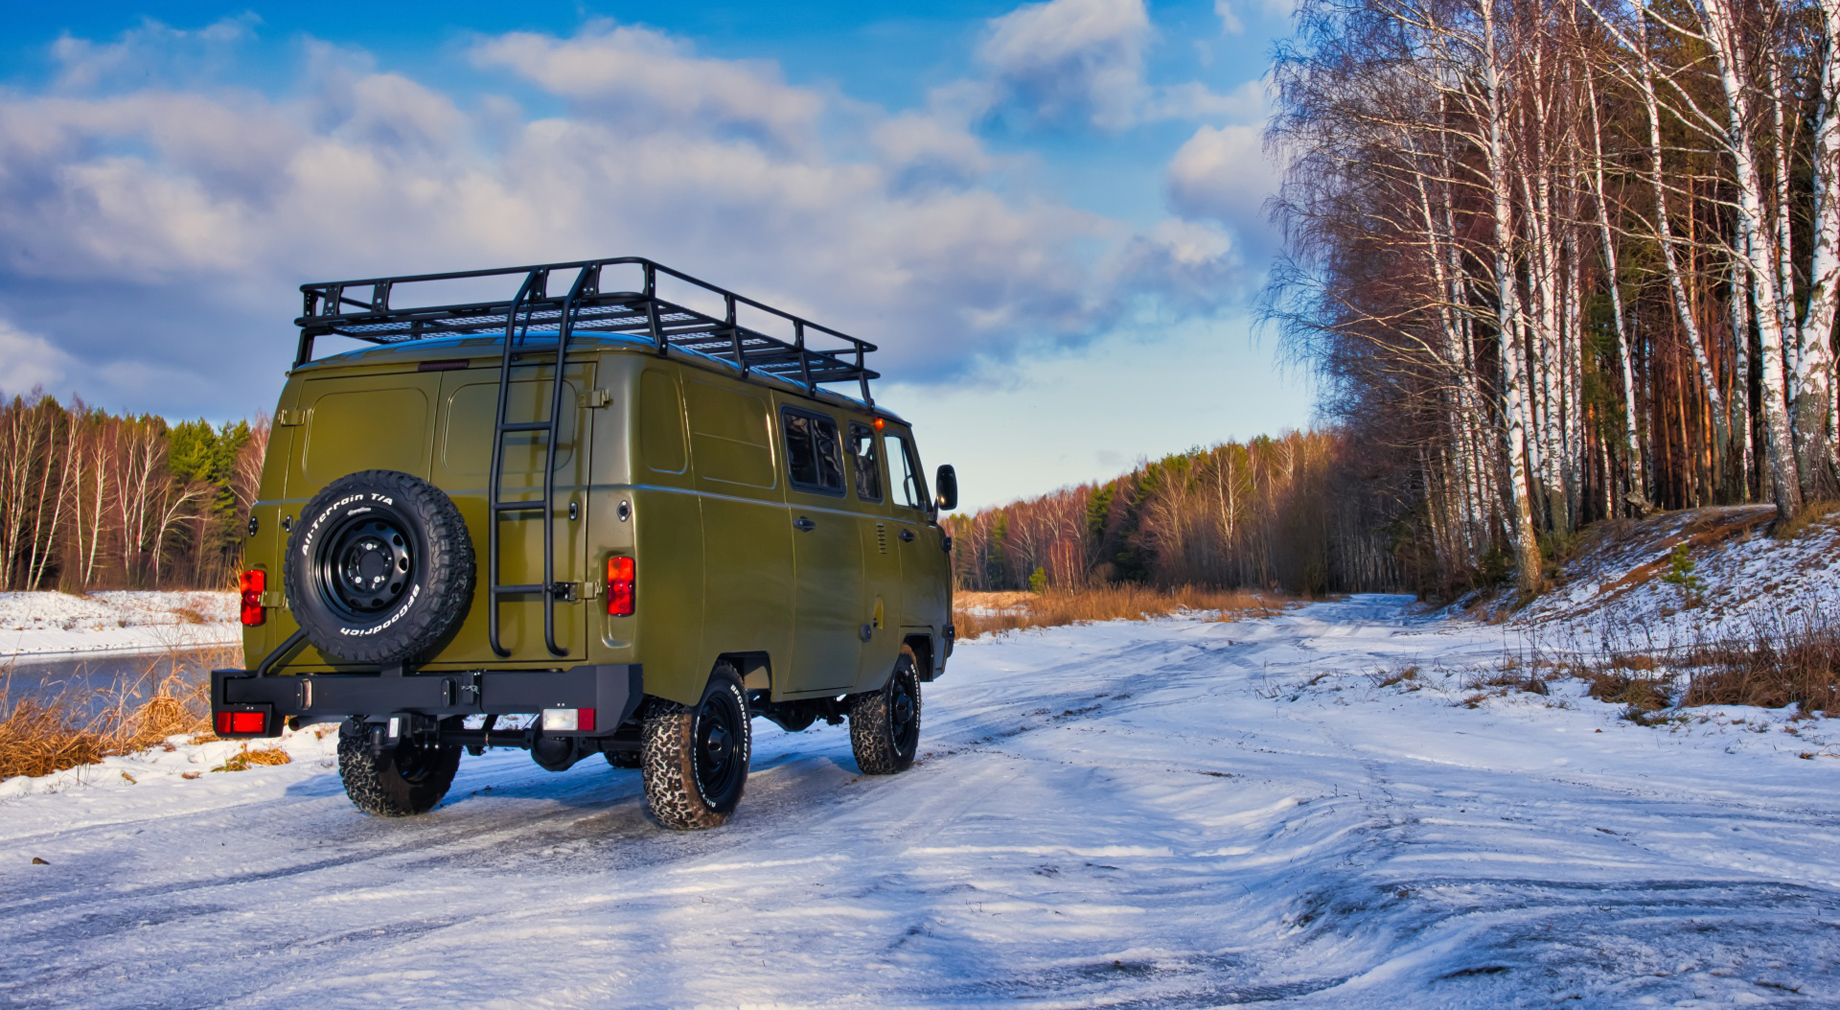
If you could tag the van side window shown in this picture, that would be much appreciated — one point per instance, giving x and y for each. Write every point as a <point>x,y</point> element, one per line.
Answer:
<point>909,490</point>
<point>867,463</point>
<point>813,456</point>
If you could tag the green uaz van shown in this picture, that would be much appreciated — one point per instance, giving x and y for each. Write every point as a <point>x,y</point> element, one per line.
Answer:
<point>544,507</point>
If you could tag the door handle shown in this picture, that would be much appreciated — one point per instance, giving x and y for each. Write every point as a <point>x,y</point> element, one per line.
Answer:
<point>907,536</point>
<point>804,525</point>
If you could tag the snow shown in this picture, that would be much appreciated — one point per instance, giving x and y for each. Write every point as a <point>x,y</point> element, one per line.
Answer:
<point>44,624</point>
<point>1175,813</point>
<point>1754,583</point>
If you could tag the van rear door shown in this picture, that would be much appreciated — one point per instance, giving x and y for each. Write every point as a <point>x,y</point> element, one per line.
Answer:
<point>462,467</point>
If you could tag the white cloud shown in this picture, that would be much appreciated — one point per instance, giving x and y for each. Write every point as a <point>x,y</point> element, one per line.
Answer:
<point>1223,174</point>
<point>153,53</point>
<point>928,149</point>
<point>1191,263</point>
<point>1070,60</point>
<point>1193,100</point>
<point>637,74</point>
<point>1081,62</point>
<point>199,211</point>
<point>28,360</point>
<point>1230,24</point>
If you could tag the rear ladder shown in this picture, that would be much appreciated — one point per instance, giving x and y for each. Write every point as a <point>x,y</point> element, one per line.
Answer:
<point>532,300</point>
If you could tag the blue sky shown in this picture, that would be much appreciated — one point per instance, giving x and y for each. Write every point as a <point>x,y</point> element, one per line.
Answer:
<point>1048,214</point>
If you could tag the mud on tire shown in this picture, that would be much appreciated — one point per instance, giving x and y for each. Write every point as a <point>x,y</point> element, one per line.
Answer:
<point>885,724</point>
<point>403,780</point>
<point>379,568</point>
<point>694,761</point>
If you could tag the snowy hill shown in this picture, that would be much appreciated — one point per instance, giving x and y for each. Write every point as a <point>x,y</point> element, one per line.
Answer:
<point>1616,581</point>
<point>1318,809</point>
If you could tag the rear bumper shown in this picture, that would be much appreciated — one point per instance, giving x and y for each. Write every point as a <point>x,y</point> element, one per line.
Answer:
<point>612,690</point>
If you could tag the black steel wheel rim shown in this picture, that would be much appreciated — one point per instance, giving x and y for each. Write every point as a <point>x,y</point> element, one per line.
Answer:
<point>903,713</point>
<point>414,763</point>
<point>718,754</point>
<point>366,565</point>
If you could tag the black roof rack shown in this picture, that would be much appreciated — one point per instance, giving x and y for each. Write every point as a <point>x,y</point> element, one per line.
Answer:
<point>362,310</point>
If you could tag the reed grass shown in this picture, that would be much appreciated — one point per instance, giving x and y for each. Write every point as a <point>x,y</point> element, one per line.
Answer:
<point>978,614</point>
<point>66,725</point>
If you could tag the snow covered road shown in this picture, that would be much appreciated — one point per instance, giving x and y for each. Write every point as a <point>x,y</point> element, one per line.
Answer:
<point>1178,813</point>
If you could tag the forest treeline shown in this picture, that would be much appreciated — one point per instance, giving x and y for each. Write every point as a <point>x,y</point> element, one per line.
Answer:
<point>91,500</point>
<point>1561,261</point>
<point>1290,512</point>
<point>1556,263</point>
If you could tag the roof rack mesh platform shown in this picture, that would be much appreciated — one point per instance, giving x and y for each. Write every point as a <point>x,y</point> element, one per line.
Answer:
<point>580,304</point>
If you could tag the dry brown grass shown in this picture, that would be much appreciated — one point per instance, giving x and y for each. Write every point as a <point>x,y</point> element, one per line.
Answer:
<point>1634,693</point>
<point>1783,661</point>
<point>46,731</point>
<point>1805,519</point>
<point>979,614</point>
<point>248,758</point>
<point>1801,667</point>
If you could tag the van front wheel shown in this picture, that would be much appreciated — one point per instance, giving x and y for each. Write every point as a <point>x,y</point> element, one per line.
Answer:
<point>694,760</point>
<point>885,724</point>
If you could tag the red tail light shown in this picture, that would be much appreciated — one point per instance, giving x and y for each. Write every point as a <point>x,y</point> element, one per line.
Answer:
<point>252,583</point>
<point>233,723</point>
<point>621,575</point>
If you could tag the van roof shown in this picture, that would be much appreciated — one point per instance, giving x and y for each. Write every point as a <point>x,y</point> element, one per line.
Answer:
<point>479,304</point>
<point>456,346</point>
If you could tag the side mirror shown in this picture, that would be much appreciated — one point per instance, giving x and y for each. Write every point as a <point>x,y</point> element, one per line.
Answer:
<point>945,484</point>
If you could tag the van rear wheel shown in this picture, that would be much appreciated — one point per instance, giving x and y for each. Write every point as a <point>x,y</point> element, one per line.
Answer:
<point>694,760</point>
<point>885,724</point>
<point>404,780</point>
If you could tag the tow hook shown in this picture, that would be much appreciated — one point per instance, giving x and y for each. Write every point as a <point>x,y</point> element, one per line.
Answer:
<point>387,734</point>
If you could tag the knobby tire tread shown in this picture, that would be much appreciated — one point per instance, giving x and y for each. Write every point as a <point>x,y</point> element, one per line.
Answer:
<point>377,786</point>
<point>668,761</point>
<point>872,738</point>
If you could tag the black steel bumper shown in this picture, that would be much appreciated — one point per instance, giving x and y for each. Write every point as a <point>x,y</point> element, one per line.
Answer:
<point>613,691</point>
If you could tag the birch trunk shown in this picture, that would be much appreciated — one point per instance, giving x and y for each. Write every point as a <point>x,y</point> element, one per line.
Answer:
<point>1722,33</point>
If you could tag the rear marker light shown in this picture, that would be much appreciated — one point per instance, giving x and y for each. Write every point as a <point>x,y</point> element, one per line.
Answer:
<point>621,576</point>
<point>568,720</point>
<point>252,583</point>
<point>232,723</point>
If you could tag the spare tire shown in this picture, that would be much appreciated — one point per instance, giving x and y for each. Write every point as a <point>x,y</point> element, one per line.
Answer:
<point>379,569</point>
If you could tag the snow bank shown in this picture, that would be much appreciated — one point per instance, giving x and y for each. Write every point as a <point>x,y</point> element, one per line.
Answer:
<point>1615,587</point>
<point>49,624</point>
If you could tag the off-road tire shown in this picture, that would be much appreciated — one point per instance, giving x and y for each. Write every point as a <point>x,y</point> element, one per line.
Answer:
<point>885,724</point>
<point>688,784</point>
<point>404,780</point>
<point>624,758</point>
<point>379,569</point>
